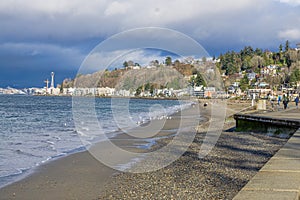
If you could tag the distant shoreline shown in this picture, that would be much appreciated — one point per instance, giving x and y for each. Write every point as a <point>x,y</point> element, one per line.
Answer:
<point>120,97</point>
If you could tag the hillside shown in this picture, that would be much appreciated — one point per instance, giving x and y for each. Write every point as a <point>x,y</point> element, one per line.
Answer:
<point>175,76</point>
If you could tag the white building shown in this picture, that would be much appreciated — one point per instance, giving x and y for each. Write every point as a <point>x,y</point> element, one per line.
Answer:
<point>105,91</point>
<point>54,91</point>
<point>298,47</point>
<point>123,93</point>
<point>68,91</point>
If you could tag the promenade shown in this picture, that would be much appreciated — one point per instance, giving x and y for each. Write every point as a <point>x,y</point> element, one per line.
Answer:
<point>280,176</point>
<point>289,114</point>
<point>282,123</point>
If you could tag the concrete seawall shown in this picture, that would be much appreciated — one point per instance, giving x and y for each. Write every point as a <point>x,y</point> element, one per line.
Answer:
<point>279,179</point>
<point>283,123</point>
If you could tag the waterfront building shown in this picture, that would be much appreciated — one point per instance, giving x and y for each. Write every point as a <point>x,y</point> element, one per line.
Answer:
<point>298,47</point>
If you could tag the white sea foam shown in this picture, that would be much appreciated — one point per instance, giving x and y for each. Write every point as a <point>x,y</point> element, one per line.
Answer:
<point>35,130</point>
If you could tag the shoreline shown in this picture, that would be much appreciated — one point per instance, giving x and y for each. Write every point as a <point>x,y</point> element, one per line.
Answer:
<point>48,171</point>
<point>80,176</point>
<point>28,171</point>
<point>120,97</point>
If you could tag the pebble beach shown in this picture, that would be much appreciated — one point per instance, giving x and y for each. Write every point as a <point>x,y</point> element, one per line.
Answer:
<point>236,158</point>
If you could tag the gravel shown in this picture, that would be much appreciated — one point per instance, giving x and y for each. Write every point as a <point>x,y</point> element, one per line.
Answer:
<point>235,159</point>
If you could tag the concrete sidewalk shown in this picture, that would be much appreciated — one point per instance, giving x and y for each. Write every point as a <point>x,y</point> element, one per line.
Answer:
<point>290,113</point>
<point>279,179</point>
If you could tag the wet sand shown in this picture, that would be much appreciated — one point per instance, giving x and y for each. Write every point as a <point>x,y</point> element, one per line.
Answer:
<point>230,165</point>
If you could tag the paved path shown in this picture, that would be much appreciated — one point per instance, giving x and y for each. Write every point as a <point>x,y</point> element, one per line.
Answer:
<point>280,177</point>
<point>291,113</point>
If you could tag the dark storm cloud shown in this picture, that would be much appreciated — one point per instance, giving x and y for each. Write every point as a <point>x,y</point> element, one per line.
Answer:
<point>58,34</point>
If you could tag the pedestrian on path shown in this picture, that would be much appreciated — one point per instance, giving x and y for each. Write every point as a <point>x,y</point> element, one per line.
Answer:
<point>285,101</point>
<point>297,101</point>
<point>278,100</point>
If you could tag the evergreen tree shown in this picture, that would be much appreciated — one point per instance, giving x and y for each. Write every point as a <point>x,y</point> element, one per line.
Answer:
<point>258,52</point>
<point>62,87</point>
<point>288,61</point>
<point>244,83</point>
<point>280,48</point>
<point>125,64</point>
<point>199,80</point>
<point>168,61</point>
<point>287,46</point>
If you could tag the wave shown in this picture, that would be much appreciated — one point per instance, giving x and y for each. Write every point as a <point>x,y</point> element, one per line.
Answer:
<point>45,142</point>
<point>17,174</point>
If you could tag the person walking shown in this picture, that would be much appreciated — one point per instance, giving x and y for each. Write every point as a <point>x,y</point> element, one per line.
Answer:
<point>285,101</point>
<point>278,100</point>
<point>297,101</point>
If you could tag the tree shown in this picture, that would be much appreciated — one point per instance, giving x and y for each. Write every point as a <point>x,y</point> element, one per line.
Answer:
<point>266,58</point>
<point>125,64</point>
<point>231,63</point>
<point>295,76</point>
<point>258,52</point>
<point>288,61</point>
<point>244,83</point>
<point>194,71</point>
<point>62,87</point>
<point>177,63</point>
<point>128,84</point>
<point>257,61</point>
<point>287,46</point>
<point>247,51</point>
<point>199,80</point>
<point>130,63</point>
<point>138,91</point>
<point>152,88</point>
<point>276,58</point>
<point>154,63</point>
<point>280,48</point>
<point>168,61</point>
<point>174,84</point>
<point>147,86</point>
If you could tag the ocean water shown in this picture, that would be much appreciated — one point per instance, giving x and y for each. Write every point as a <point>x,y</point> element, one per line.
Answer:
<point>37,129</point>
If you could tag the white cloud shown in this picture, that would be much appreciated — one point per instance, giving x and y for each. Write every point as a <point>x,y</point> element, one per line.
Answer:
<point>117,8</point>
<point>43,34</point>
<point>222,23</point>
<point>290,2</point>
<point>290,34</point>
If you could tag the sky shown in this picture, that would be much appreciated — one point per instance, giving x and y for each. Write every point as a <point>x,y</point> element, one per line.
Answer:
<point>38,37</point>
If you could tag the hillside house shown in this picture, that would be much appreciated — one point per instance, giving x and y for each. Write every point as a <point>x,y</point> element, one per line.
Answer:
<point>298,47</point>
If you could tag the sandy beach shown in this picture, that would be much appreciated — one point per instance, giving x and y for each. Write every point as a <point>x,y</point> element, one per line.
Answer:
<point>235,159</point>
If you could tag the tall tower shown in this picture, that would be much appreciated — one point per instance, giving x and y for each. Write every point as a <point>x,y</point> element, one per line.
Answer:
<point>52,80</point>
